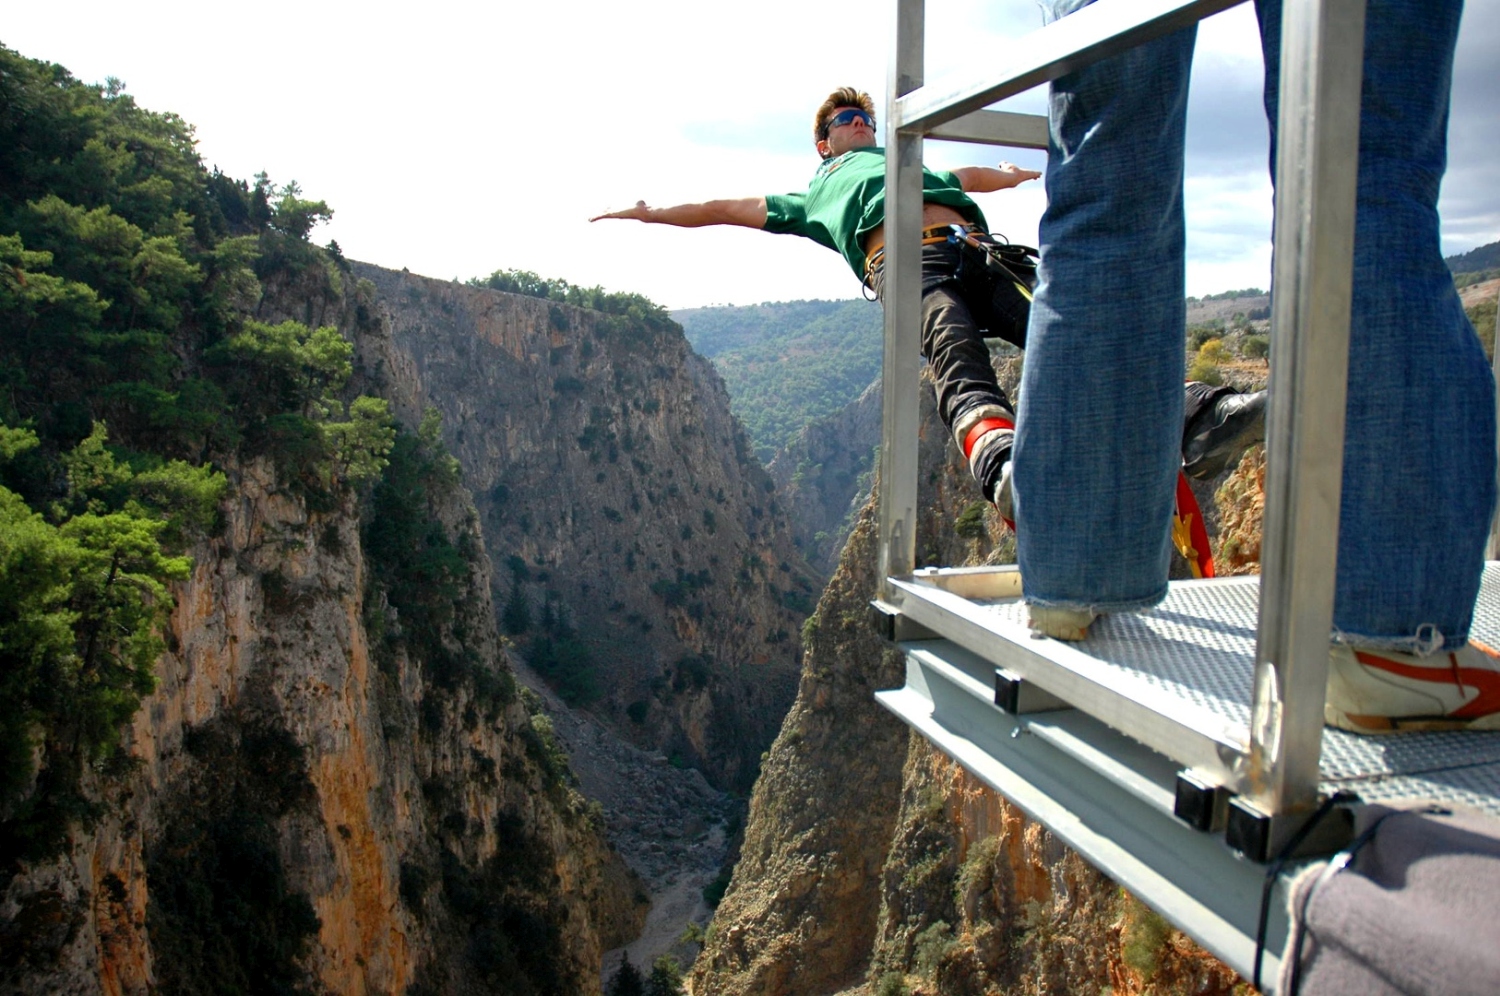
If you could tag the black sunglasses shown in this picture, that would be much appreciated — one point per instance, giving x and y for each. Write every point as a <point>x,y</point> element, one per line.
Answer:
<point>848,115</point>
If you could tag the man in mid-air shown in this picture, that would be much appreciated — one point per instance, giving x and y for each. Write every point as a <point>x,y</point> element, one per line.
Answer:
<point>844,209</point>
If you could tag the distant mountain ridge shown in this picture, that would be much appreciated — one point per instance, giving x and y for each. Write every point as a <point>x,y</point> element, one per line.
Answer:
<point>1475,260</point>
<point>788,363</point>
<point>716,330</point>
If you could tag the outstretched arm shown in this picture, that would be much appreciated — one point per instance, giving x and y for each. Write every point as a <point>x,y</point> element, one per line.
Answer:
<point>983,179</point>
<point>746,212</point>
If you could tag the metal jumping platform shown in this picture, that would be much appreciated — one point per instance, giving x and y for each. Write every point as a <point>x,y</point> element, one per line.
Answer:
<point>1176,749</point>
<point>1040,722</point>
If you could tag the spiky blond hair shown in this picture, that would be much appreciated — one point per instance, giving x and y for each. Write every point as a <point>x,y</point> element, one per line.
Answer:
<point>844,96</point>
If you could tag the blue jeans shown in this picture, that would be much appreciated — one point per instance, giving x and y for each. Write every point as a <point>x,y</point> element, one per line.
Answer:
<point>1099,421</point>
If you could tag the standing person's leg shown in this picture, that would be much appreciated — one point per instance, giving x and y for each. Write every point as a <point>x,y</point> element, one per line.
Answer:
<point>1419,454</point>
<point>1097,445</point>
<point>1419,457</point>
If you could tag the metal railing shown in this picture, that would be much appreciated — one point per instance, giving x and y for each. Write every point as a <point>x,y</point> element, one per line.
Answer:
<point>1273,768</point>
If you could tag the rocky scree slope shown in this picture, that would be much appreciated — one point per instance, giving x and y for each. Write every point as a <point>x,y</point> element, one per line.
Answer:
<point>643,562</point>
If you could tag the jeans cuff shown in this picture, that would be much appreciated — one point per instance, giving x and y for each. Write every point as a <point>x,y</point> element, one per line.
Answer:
<point>1099,607</point>
<point>1426,641</point>
<point>973,416</point>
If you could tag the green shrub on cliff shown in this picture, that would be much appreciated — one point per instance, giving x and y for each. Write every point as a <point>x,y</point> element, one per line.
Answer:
<point>626,981</point>
<point>665,978</point>
<point>283,383</point>
<point>83,597</point>
<point>628,314</point>
<point>223,916</point>
<point>1205,364</point>
<point>1482,316</point>
<point>412,557</point>
<point>128,367</point>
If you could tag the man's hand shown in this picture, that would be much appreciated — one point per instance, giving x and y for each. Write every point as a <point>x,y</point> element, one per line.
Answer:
<point>984,179</point>
<point>1021,175</point>
<point>638,213</point>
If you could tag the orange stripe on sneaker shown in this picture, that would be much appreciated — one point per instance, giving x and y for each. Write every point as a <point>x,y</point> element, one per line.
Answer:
<point>1488,699</point>
<point>1486,682</point>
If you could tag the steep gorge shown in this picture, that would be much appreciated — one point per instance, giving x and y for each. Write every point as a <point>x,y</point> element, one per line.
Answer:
<point>823,473</point>
<point>314,797</point>
<point>320,791</point>
<point>621,505</point>
<point>874,865</point>
<point>338,783</point>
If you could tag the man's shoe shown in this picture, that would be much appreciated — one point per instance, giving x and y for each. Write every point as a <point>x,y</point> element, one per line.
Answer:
<point>1380,691</point>
<point>1222,434</point>
<point>986,435</point>
<point>1060,624</point>
<point>1004,499</point>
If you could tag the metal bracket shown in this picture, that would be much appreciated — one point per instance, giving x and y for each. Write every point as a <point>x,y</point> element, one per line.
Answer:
<point>1017,696</point>
<point>1200,803</point>
<point>1260,837</point>
<point>894,626</point>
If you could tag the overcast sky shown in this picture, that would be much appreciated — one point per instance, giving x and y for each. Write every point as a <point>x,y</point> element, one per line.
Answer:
<point>457,138</point>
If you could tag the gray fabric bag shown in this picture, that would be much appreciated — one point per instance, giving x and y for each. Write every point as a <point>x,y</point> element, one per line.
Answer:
<point>1416,910</point>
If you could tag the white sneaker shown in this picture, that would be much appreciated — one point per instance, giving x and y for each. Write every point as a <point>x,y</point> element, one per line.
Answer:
<point>1060,624</point>
<point>1380,691</point>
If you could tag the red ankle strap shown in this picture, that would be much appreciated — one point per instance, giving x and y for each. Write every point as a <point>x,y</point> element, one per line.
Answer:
<point>981,427</point>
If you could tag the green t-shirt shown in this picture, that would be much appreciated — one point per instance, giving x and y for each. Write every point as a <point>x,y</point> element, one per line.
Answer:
<point>846,201</point>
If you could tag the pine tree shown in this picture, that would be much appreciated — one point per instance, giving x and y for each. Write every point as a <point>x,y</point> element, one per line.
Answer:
<point>626,981</point>
<point>665,979</point>
<point>516,619</point>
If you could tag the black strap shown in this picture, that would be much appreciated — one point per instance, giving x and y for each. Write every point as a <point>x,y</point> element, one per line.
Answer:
<point>1336,864</point>
<point>1273,872</point>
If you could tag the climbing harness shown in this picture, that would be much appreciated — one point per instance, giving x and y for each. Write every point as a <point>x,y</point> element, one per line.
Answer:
<point>997,278</point>
<point>876,256</point>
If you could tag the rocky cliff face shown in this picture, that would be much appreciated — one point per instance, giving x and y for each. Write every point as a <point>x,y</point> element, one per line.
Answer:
<point>317,799</point>
<point>642,557</point>
<point>872,864</point>
<point>802,910</point>
<point>823,475</point>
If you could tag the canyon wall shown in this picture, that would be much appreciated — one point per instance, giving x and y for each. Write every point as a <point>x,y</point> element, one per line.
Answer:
<point>621,505</point>
<point>873,864</point>
<point>322,795</point>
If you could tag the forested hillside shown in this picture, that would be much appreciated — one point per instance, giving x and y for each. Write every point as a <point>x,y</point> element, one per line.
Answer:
<point>788,363</point>
<point>130,365</point>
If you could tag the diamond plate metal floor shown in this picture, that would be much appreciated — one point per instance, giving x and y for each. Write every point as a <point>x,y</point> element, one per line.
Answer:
<point>1198,647</point>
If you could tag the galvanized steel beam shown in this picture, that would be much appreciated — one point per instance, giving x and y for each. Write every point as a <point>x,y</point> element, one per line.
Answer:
<point>1019,131</point>
<point>1121,825</point>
